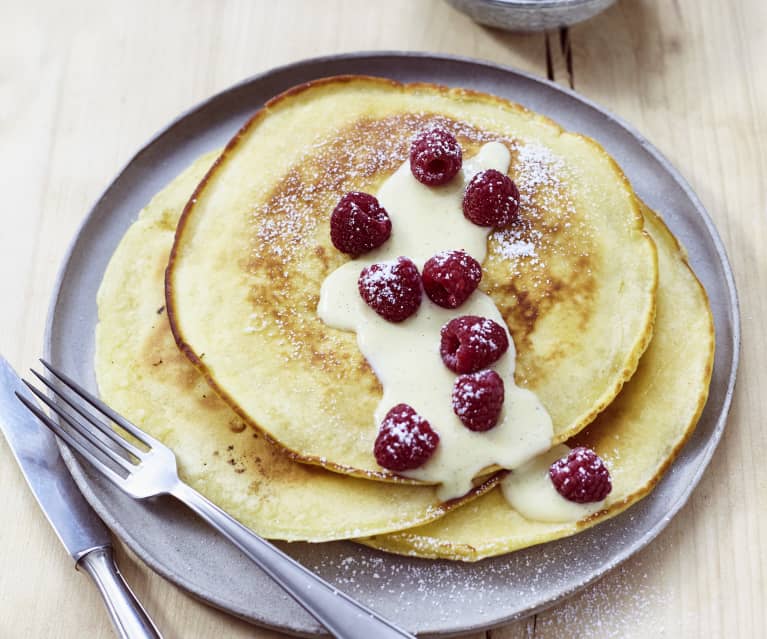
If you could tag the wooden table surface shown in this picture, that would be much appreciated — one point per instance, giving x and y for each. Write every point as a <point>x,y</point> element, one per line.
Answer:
<point>84,83</point>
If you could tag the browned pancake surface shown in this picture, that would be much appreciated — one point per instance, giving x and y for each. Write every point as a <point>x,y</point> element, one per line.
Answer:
<point>253,249</point>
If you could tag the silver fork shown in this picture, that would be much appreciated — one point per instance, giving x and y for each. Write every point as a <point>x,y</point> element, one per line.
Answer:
<point>151,472</point>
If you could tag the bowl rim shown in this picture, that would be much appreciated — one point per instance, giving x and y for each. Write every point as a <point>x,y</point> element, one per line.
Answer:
<point>537,4</point>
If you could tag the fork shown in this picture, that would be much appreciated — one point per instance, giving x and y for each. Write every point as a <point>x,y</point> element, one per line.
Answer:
<point>144,473</point>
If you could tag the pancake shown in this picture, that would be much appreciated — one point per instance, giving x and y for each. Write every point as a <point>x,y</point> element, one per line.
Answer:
<point>142,375</point>
<point>638,436</point>
<point>574,280</point>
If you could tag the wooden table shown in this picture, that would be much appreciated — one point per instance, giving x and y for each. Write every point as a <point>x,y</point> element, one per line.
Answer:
<point>84,83</point>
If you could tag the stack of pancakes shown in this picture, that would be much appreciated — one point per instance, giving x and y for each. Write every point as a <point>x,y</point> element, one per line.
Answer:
<point>209,338</point>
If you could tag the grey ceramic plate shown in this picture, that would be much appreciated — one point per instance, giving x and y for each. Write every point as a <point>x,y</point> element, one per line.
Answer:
<point>425,596</point>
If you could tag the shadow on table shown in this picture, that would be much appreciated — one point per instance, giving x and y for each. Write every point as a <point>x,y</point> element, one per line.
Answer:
<point>629,28</point>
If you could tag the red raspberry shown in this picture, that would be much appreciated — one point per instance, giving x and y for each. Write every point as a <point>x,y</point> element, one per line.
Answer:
<point>478,399</point>
<point>435,156</point>
<point>581,477</point>
<point>359,224</point>
<point>450,277</point>
<point>491,199</point>
<point>405,439</point>
<point>470,343</point>
<point>391,289</point>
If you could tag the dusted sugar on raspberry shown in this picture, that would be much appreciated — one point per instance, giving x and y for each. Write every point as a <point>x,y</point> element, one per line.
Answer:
<point>581,477</point>
<point>491,199</point>
<point>478,399</point>
<point>359,224</point>
<point>435,156</point>
<point>405,440</point>
<point>391,289</point>
<point>470,343</point>
<point>450,277</point>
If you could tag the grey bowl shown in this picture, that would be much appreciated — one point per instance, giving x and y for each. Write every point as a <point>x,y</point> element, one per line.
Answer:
<point>530,15</point>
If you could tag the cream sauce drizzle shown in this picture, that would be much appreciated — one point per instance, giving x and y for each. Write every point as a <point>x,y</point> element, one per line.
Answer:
<point>405,356</point>
<point>531,493</point>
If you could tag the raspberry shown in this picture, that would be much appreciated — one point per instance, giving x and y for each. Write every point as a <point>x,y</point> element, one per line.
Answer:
<point>478,399</point>
<point>359,224</point>
<point>435,156</point>
<point>405,439</point>
<point>581,477</point>
<point>391,289</point>
<point>470,343</point>
<point>491,199</point>
<point>450,277</point>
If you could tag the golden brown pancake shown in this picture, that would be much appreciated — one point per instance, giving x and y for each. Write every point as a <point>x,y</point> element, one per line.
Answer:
<point>638,436</point>
<point>142,375</point>
<point>575,279</point>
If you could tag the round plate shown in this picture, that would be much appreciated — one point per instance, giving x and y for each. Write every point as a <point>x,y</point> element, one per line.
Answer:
<point>424,596</point>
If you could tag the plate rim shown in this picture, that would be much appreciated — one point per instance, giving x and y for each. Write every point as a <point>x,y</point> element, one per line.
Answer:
<point>733,311</point>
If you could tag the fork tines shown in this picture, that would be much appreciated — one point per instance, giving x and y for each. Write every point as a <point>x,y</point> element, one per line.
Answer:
<point>84,423</point>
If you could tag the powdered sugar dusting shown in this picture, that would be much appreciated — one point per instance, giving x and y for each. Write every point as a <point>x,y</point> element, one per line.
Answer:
<point>537,166</point>
<point>515,243</point>
<point>545,186</point>
<point>286,221</point>
<point>622,604</point>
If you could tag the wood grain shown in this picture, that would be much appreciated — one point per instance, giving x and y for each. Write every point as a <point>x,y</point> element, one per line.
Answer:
<point>663,67</point>
<point>83,84</point>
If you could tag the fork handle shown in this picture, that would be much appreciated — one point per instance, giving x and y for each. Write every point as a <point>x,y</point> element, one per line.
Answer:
<point>126,613</point>
<point>343,617</point>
